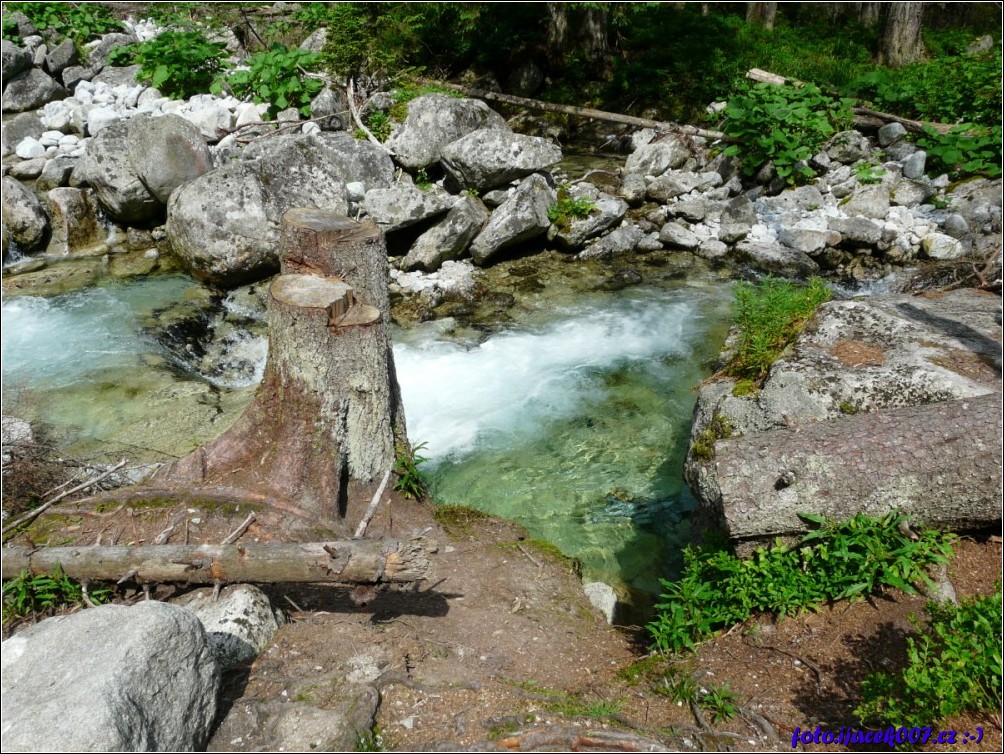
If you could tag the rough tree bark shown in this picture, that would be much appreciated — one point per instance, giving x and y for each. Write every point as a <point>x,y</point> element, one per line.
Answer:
<point>901,42</point>
<point>328,413</point>
<point>938,463</point>
<point>357,561</point>
<point>763,14</point>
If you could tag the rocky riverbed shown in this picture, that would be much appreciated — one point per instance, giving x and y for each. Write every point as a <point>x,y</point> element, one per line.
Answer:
<point>105,177</point>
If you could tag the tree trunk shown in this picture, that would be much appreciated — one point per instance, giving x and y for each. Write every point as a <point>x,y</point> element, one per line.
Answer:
<point>357,561</point>
<point>762,14</point>
<point>557,30</point>
<point>901,42</point>
<point>870,14</point>
<point>328,412</point>
<point>938,463</point>
<point>593,33</point>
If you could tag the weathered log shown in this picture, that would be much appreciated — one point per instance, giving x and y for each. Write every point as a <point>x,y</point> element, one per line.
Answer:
<point>586,112</point>
<point>863,116</point>
<point>358,561</point>
<point>328,412</point>
<point>940,464</point>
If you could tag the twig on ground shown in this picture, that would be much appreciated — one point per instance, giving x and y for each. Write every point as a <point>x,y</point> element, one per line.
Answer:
<point>33,514</point>
<point>236,533</point>
<point>371,510</point>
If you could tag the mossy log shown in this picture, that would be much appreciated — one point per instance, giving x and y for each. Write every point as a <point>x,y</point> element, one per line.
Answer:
<point>328,413</point>
<point>358,561</point>
<point>940,464</point>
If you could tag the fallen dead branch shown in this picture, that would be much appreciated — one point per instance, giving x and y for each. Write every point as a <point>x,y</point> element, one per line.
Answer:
<point>352,561</point>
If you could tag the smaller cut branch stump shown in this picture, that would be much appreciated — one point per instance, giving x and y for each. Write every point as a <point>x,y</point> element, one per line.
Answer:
<point>357,561</point>
<point>939,463</point>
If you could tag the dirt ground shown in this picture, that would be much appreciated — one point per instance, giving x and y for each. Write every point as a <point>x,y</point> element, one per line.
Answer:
<point>499,649</point>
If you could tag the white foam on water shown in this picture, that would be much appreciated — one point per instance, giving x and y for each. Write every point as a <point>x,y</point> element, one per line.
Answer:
<point>458,400</point>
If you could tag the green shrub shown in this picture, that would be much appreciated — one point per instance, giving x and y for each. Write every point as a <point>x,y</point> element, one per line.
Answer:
<point>276,77</point>
<point>411,480</point>
<point>964,150</point>
<point>80,22</point>
<point>42,593</point>
<point>784,125</point>
<point>960,88</point>
<point>953,666</point>
<point>178,63</point>
<point>568,208</point>
<point>835,561</point>
<point>379,124</point>
<point>769,315</point>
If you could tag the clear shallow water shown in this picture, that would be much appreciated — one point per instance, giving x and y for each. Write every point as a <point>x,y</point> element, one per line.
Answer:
<point>573,422</point>
<point>576,426</point>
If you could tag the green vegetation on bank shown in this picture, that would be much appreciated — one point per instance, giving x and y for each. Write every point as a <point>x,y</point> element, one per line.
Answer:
<point>835,561</point>
<point>178,63</point>
<point>769,315</point>
<point>80,22</point>
<point>953,665</point>
<point>30,594</point>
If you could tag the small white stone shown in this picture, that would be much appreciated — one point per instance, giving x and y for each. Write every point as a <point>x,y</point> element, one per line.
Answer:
<point>310,128</point>
<point>29,148</point>
<point>100,118</point>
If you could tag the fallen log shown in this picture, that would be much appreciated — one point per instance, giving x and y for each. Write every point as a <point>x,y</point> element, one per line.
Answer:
<point>585,112</point>
<point>863,116</point>
<point>939,464</point>
<point>358,561</point>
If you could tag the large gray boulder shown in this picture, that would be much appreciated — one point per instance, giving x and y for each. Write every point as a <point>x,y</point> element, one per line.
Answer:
<point>492,157</point>
<point>14,60</point>
<point>76,225</point>
<point>166,152</point>
<point>358,160</point>
<point>239,623</point>
<point>61,57</point>
<point>449,239</point>
<point>856,231</point>
<point>868,201</point>
<point>20,127</point>
<point>435,120</point>
<point>404,204</point>
<point>620,241</point>
<point>218,226</point>
<point>738,219</point>
<point>675,183</point>
<point>606,212</point>
<point>656,158</point>
<point>29,91</point>
<point>521,218</point>
<point>111,678</point>
<point>23,215</point>
<point>106,167</point>
<point>776,259</point>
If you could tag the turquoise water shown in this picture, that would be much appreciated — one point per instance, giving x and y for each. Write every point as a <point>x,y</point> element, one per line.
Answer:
<point>572,421</point>
<point>575,426</point>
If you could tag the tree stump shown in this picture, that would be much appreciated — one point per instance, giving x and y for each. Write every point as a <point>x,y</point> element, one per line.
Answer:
<point>328,413</point>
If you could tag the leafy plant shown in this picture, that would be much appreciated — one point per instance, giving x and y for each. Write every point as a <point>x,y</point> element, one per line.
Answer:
<point>835,561</point>
<point>721,702</point>
<point>866,173</point>
<point>422,179</point>
<point>568,208</point>
<point>784,125</point>
<point>10,30</point>
<point>277,77</point>
<point>178,63</point>
<point>80,22</point>
<point>964,150</point>
<point>35,593</point>
<point>411,480</point>
<point>953,666</point>
<point>769,315</point>
<point>379,125</point>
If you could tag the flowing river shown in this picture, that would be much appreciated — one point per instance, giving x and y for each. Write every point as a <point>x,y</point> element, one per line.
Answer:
<point>571,419</point>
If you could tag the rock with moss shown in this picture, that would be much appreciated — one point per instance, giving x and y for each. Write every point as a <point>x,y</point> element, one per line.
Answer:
<point>600,212</point>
